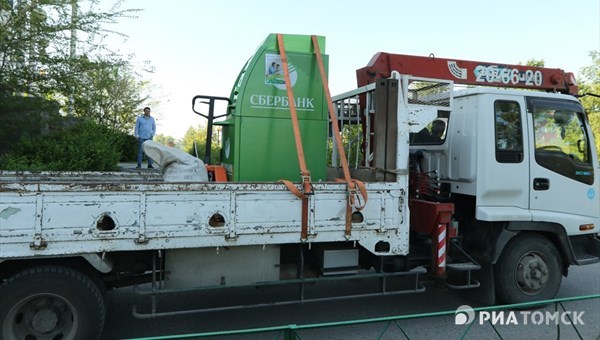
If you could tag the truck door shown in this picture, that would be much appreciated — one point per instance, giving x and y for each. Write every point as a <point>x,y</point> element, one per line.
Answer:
<point>503,163</point>
<point>562,177</point>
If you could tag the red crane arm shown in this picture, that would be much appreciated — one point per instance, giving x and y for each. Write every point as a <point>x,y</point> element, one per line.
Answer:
<point>468,72</point>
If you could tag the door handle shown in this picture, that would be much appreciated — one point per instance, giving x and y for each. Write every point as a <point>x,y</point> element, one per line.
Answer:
<point>541,184</point>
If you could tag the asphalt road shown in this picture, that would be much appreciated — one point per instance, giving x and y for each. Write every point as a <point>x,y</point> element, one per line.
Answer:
<point>121,324</point>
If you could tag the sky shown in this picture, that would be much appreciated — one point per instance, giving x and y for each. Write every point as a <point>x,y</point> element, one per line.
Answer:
<point>198,47</point>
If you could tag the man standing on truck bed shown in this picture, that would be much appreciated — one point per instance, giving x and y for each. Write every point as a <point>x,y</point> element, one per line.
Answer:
<point>145,128</point>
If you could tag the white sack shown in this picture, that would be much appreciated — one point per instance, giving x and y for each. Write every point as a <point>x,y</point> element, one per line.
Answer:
<point>176,165</point>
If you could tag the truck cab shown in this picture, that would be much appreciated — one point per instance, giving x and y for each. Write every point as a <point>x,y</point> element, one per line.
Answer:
<point>518,164</point>
<point>524,157</point>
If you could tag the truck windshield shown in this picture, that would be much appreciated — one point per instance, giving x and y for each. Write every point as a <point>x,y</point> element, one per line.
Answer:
<point>561,140</point>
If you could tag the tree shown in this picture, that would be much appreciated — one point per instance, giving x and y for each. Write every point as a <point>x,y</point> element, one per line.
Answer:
<point>107,91</point>
<point>590,84</point>
<point>535,62</point>
<point>52,63</point>
<point>36,36</point>
<point>52,49</point>
<point>166,140</point>
<point>194,141</point>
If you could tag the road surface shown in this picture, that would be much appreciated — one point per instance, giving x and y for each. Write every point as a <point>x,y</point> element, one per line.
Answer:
<point>121,324</point>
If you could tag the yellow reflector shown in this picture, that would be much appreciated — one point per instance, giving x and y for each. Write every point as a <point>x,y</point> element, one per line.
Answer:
<point>585,227</point>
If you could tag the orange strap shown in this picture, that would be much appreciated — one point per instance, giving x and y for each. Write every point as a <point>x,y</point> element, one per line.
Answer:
<point>304,226</point>
<point>307,188</point>
<point>332,114</point>
<point>353,198</point>
<point>306,182</point>
<point>356,201</point>
<point>291,187</point>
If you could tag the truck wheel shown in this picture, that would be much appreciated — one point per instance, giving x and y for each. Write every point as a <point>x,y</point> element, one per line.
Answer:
<point>51,302</point>
<point>528,270</point>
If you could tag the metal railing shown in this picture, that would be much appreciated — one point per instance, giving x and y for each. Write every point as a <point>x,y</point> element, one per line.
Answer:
<point>293,331</point>
<point>349,111</point>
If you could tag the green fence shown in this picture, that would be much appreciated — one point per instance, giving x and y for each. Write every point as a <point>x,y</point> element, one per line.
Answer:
<point>393,323</point>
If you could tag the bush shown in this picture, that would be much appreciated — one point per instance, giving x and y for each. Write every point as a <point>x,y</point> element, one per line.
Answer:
<point>25,116</point>
<point>80,146</point>
<point>128,145</point>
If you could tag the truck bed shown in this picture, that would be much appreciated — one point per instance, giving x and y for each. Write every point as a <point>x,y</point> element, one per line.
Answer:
<point>57,214</point>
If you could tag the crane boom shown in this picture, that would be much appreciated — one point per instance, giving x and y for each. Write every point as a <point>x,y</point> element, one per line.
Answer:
<point>468,72</point>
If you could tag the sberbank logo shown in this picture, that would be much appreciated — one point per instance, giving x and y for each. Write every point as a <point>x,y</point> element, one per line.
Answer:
<point>274,71</point>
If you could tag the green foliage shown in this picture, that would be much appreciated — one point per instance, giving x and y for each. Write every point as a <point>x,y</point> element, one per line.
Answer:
<point>82,146</point>
<point>53,49</point>
<point>25,116</point>
<point>352,139</point>
<point>52,60</point>
<point>591,74</point>
<point>535,62</point>
<point>198,136</point>
<point>509,134</point>
<point>128,146</point>
<point>35,37</point>
<point>165,140</point>
<point>590,83</point>
<point>595,122</point>
<point>105,90</point>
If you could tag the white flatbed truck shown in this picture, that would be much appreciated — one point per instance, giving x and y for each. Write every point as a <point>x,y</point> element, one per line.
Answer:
<point>489,194</point>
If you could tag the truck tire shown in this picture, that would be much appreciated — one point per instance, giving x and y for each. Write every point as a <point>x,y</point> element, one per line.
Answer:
<point>51,302</point>
<point>529,269</point>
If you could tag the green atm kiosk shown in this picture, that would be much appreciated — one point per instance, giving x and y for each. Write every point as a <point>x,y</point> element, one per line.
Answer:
<point>257,137</point>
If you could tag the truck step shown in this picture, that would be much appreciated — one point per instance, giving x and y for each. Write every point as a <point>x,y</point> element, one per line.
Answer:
<point>471,284</point>
<point>464,266</point>
<point>418,270</point>
<point>584,259</point>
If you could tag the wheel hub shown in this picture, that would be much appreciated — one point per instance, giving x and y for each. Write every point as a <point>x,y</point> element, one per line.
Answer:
<point>44,320</point>
<point>41,317</point>
<point>532,273</point>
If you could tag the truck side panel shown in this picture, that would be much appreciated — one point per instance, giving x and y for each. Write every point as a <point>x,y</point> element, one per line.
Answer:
<point>61,220</point>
